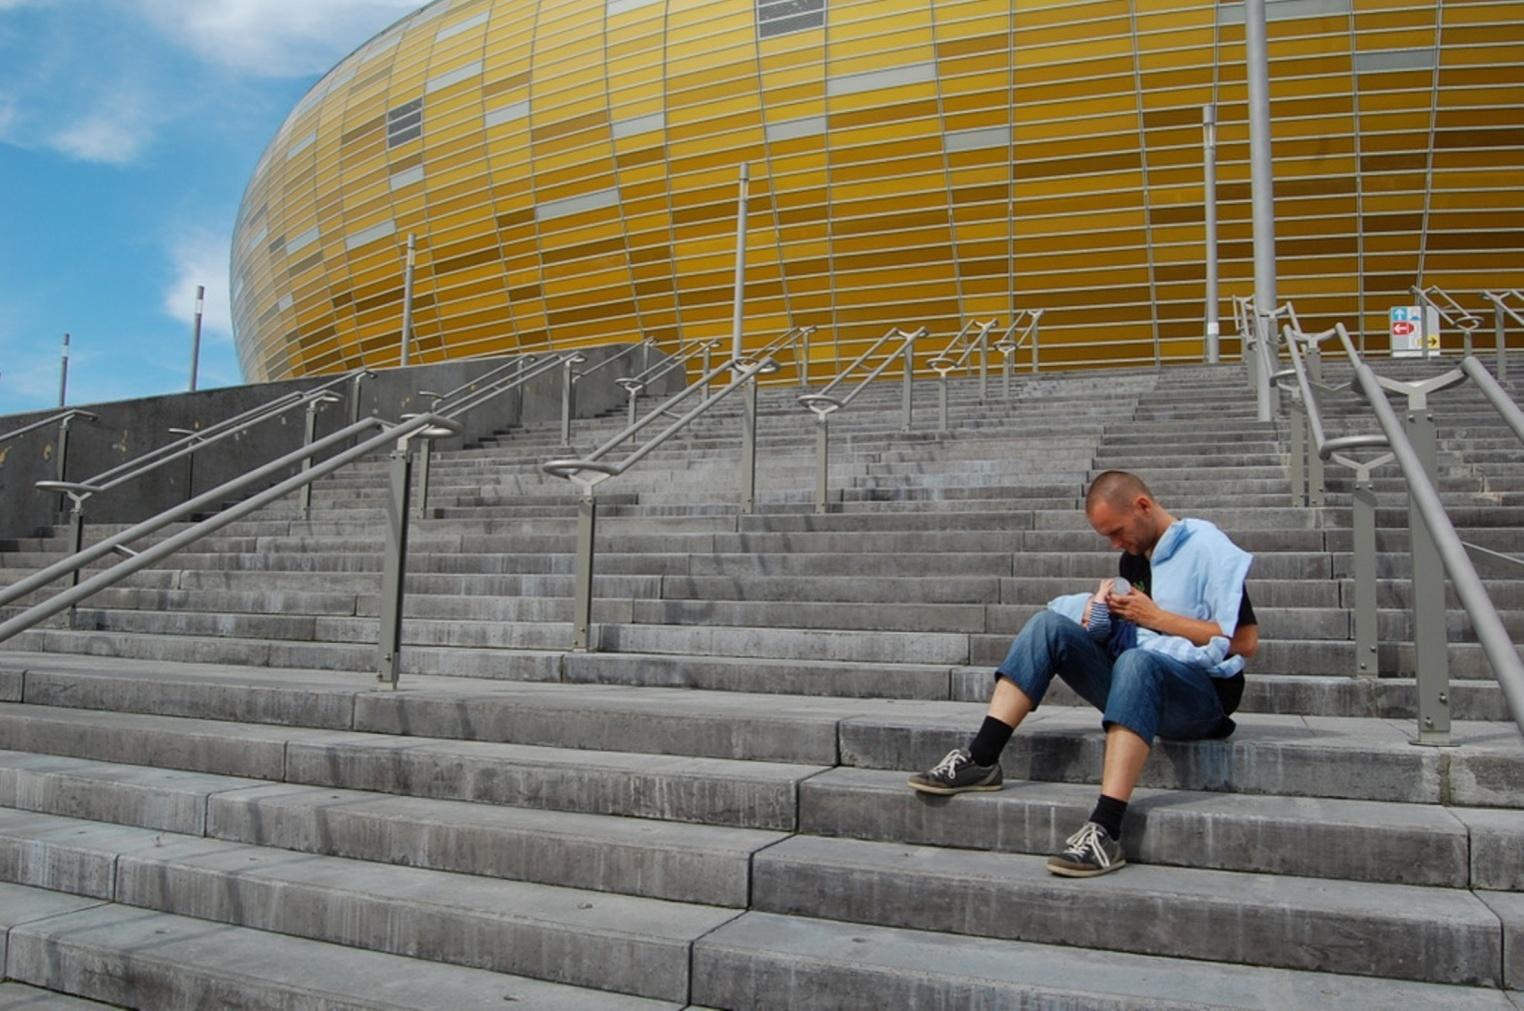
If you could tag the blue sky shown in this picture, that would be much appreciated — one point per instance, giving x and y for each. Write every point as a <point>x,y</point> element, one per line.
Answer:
<point>128,129</point>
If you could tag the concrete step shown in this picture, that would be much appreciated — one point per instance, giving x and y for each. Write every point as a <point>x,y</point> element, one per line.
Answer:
<point>589,939</point>
<point>1301,657</point>
<point>1270,754</point>
<point>515,665</point>
<point>800,961</point>
<point>741,794</point>
<point>1437,935</point>
<point>17,996</point>
<point>120,954</point>
<point>683,863</point>
<point>1309,837</point>
<point>1311,756</point>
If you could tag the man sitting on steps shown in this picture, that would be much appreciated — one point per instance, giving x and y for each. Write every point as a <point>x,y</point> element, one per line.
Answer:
<point>1187,582</point>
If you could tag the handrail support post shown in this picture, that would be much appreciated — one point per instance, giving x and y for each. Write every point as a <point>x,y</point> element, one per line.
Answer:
<point>309,432</point>
<point>425,457</point>
<point>76,537</point>
<point>394,566</point>
<point>1367,618</point>
<point>582,591</point>
<point>984,365</point>
<point>63,446</point>
<point>1431,659</point>
<point>1501,332</point>
<point>568,391</point>
<point>749,449</point>
<point>822,459</point>
<point>942,402</point>
<point>1316,486</point>
<point>1299,454</point>
<point>905,398</point>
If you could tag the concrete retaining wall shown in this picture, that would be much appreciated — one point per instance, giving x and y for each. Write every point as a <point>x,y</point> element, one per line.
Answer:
<point>129,428</point>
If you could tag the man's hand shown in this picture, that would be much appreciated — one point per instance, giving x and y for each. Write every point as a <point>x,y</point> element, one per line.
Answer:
<point>1136,607</point>
<point>1140,609</point>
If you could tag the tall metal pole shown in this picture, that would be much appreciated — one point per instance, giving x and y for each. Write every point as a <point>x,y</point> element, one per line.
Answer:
<point>1209,184</point>
<point>63,374</point>
<point>196,335</point>
<point>407,299</point>
<point>1262,183</point>
<point>735,320</point>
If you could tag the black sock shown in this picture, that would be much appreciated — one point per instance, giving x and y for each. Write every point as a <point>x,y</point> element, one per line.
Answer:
<point>986,746</point>
<point>1108,814</point>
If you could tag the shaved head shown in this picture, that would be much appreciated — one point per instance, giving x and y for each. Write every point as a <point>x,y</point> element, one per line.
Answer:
<point>1118,489</point>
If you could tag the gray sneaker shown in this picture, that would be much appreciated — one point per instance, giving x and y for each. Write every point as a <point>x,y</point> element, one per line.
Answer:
<point>957,773</point>
<point>1086,853</point>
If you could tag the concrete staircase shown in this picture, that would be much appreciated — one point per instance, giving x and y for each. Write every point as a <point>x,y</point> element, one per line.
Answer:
<point>205,801</point>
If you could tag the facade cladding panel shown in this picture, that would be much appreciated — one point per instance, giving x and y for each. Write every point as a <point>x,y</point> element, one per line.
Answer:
<point>569,170</point>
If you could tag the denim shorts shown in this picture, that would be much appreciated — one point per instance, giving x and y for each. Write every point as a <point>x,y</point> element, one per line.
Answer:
<point>1151,694</point>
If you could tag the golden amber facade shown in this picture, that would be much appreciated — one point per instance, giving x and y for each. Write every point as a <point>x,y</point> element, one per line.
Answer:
<point>569,170</point>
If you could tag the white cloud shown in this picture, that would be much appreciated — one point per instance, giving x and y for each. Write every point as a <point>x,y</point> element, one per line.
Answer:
<point>272,38</point>
<point>114,132</point>
<point>200,257</point>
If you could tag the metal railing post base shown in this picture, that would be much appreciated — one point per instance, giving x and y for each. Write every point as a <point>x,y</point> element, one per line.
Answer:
<point>394,570</point>
<point>582,592</point>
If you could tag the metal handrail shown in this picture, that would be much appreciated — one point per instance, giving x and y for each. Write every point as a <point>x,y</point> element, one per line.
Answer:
<point>473,395</point>
<point>788,339</point>
<point>1307,486</point>
<point>1478,549</point>
<point>649,342</point>
<point>506,384</point>
<point>635,385</point>
<point>944,364</point>
<point>638,382</point>
<point>212,434</point>
<point>85,556</point>
<point>1010,342</point>
<point>516,363</point>
<point>1495,394</point>
<point>1261,356</point>
<point>591,471</point>
<point>424,426</point>
<point>69,415</point>
<point>1500,309</point>
<point>571,468</point>
<point>823,405</point>
<point>1435,528</point>
<point>79,492</point>
<point>1500,302</point>
<point>1451,312</point>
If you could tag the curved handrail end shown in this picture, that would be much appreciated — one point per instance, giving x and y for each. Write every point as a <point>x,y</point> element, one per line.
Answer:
<point>69,487</point>
<point>567,467</point>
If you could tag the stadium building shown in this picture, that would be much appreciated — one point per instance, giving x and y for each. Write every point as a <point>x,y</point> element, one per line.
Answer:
<point>569,170</point>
